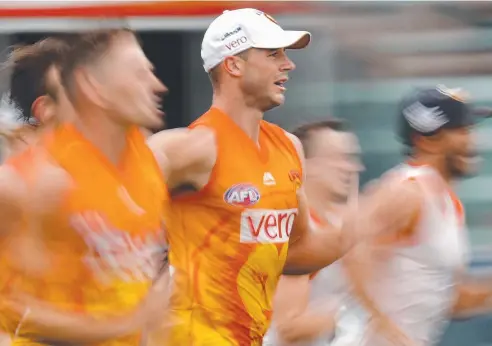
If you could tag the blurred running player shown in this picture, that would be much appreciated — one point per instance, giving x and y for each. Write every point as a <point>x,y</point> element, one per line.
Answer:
<point>34,87</point>
<point>243,207</point>
<point>96,199</point>
<point>411,279</point>
<point>306,307</point>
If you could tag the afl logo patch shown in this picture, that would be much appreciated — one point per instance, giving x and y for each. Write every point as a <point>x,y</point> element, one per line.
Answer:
<point>242,195</point>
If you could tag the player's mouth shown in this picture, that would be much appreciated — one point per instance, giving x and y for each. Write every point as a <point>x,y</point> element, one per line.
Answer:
<point>471,159</point>
<point>281,82</point>
<point>157,99</point>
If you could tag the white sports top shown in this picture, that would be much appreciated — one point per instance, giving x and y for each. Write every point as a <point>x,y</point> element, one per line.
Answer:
<point>414,282</point>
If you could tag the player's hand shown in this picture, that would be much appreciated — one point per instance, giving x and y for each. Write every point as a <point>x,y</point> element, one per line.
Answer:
<point>153,310</point>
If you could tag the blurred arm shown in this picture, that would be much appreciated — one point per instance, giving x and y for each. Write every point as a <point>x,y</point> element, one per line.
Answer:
<point>309,251</point>
<point>23,202</point>
<point>386,209</point>
<point>473,299</point>
<point>358,262</point>
<point>184,154</point>
<point>43,322</point>
<point>293,319</point>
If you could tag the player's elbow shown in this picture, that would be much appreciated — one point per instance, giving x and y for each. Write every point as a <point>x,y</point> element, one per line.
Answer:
<point>297,263</point>
<point>289,332</point>
<point>297,270</point>
<point>308,256</point>
<point>304,328</point>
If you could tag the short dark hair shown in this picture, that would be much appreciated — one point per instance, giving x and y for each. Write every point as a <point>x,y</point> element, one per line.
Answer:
<point>30,64</point>
<point>304,132</point>
<point>85,49</point>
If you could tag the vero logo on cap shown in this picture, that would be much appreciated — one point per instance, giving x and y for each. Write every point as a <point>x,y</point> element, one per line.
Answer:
<point>234,39</point>
<point>234,44</point>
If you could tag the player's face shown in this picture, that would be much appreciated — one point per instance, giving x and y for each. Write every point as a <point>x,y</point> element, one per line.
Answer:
<point>461,154</point>
<point>264,77</point>
<point>130,90</point>
<point>334,160</point>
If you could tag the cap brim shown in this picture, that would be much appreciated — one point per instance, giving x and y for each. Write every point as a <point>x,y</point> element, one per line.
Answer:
<point>288,40</point>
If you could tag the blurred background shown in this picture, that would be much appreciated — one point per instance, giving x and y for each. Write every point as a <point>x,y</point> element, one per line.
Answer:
<point>363,58</point>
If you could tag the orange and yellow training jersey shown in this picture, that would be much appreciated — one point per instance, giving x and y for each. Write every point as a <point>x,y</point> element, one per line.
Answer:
<point>228,241</point>
<point>106,239</point>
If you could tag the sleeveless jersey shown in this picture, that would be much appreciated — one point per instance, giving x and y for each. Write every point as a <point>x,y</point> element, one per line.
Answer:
<point>415,276</point>
<point>228,242</point>
<point>106,239</point>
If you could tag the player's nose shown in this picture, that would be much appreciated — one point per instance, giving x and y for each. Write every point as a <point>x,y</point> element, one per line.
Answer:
<point>159,86</point>
<point>288,65</point>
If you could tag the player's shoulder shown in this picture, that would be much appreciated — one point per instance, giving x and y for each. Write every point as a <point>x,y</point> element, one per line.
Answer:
<point>10,179</point>
<point>295,143</point>
<point>395,184</point>
<point>210,118</point>
<point>180,136</point>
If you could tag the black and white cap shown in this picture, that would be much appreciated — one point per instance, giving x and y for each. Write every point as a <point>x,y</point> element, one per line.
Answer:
<point>426,111</point>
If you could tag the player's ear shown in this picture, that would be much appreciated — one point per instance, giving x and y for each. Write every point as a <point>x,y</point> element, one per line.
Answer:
<point>234,66</point>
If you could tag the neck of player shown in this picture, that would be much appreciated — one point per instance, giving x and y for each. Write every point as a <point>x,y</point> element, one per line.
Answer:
<point>437,162</point>
<point>105,134</point>
<point>244,114</point>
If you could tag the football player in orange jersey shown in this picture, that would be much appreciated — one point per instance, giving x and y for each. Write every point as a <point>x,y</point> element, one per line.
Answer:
<point>242,218</point>
<point>310,309</point>
<point>37,96</point>
<point>86,74</point>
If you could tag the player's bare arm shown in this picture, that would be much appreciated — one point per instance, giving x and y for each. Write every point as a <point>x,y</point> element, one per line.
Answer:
<point>294,320</point>
<point>382,210</point>
<point>309,251</point>
<point>474,298</point>
<point>357,263</point>
<point>43,322</point>
<point>186,156</point>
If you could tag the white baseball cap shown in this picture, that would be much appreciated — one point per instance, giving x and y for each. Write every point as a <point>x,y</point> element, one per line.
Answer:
<point>236,31</point>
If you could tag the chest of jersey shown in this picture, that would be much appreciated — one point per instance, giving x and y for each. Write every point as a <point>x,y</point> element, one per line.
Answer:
<point>110,224</point>
<point>258,189</point>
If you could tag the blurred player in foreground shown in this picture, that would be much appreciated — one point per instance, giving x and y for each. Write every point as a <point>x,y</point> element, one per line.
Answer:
<point>94,197</point>
<point>80,205</point>
<point>30,102</point>
<point>243,214</point>
<point>306,307</point>
<point>411,280</point>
